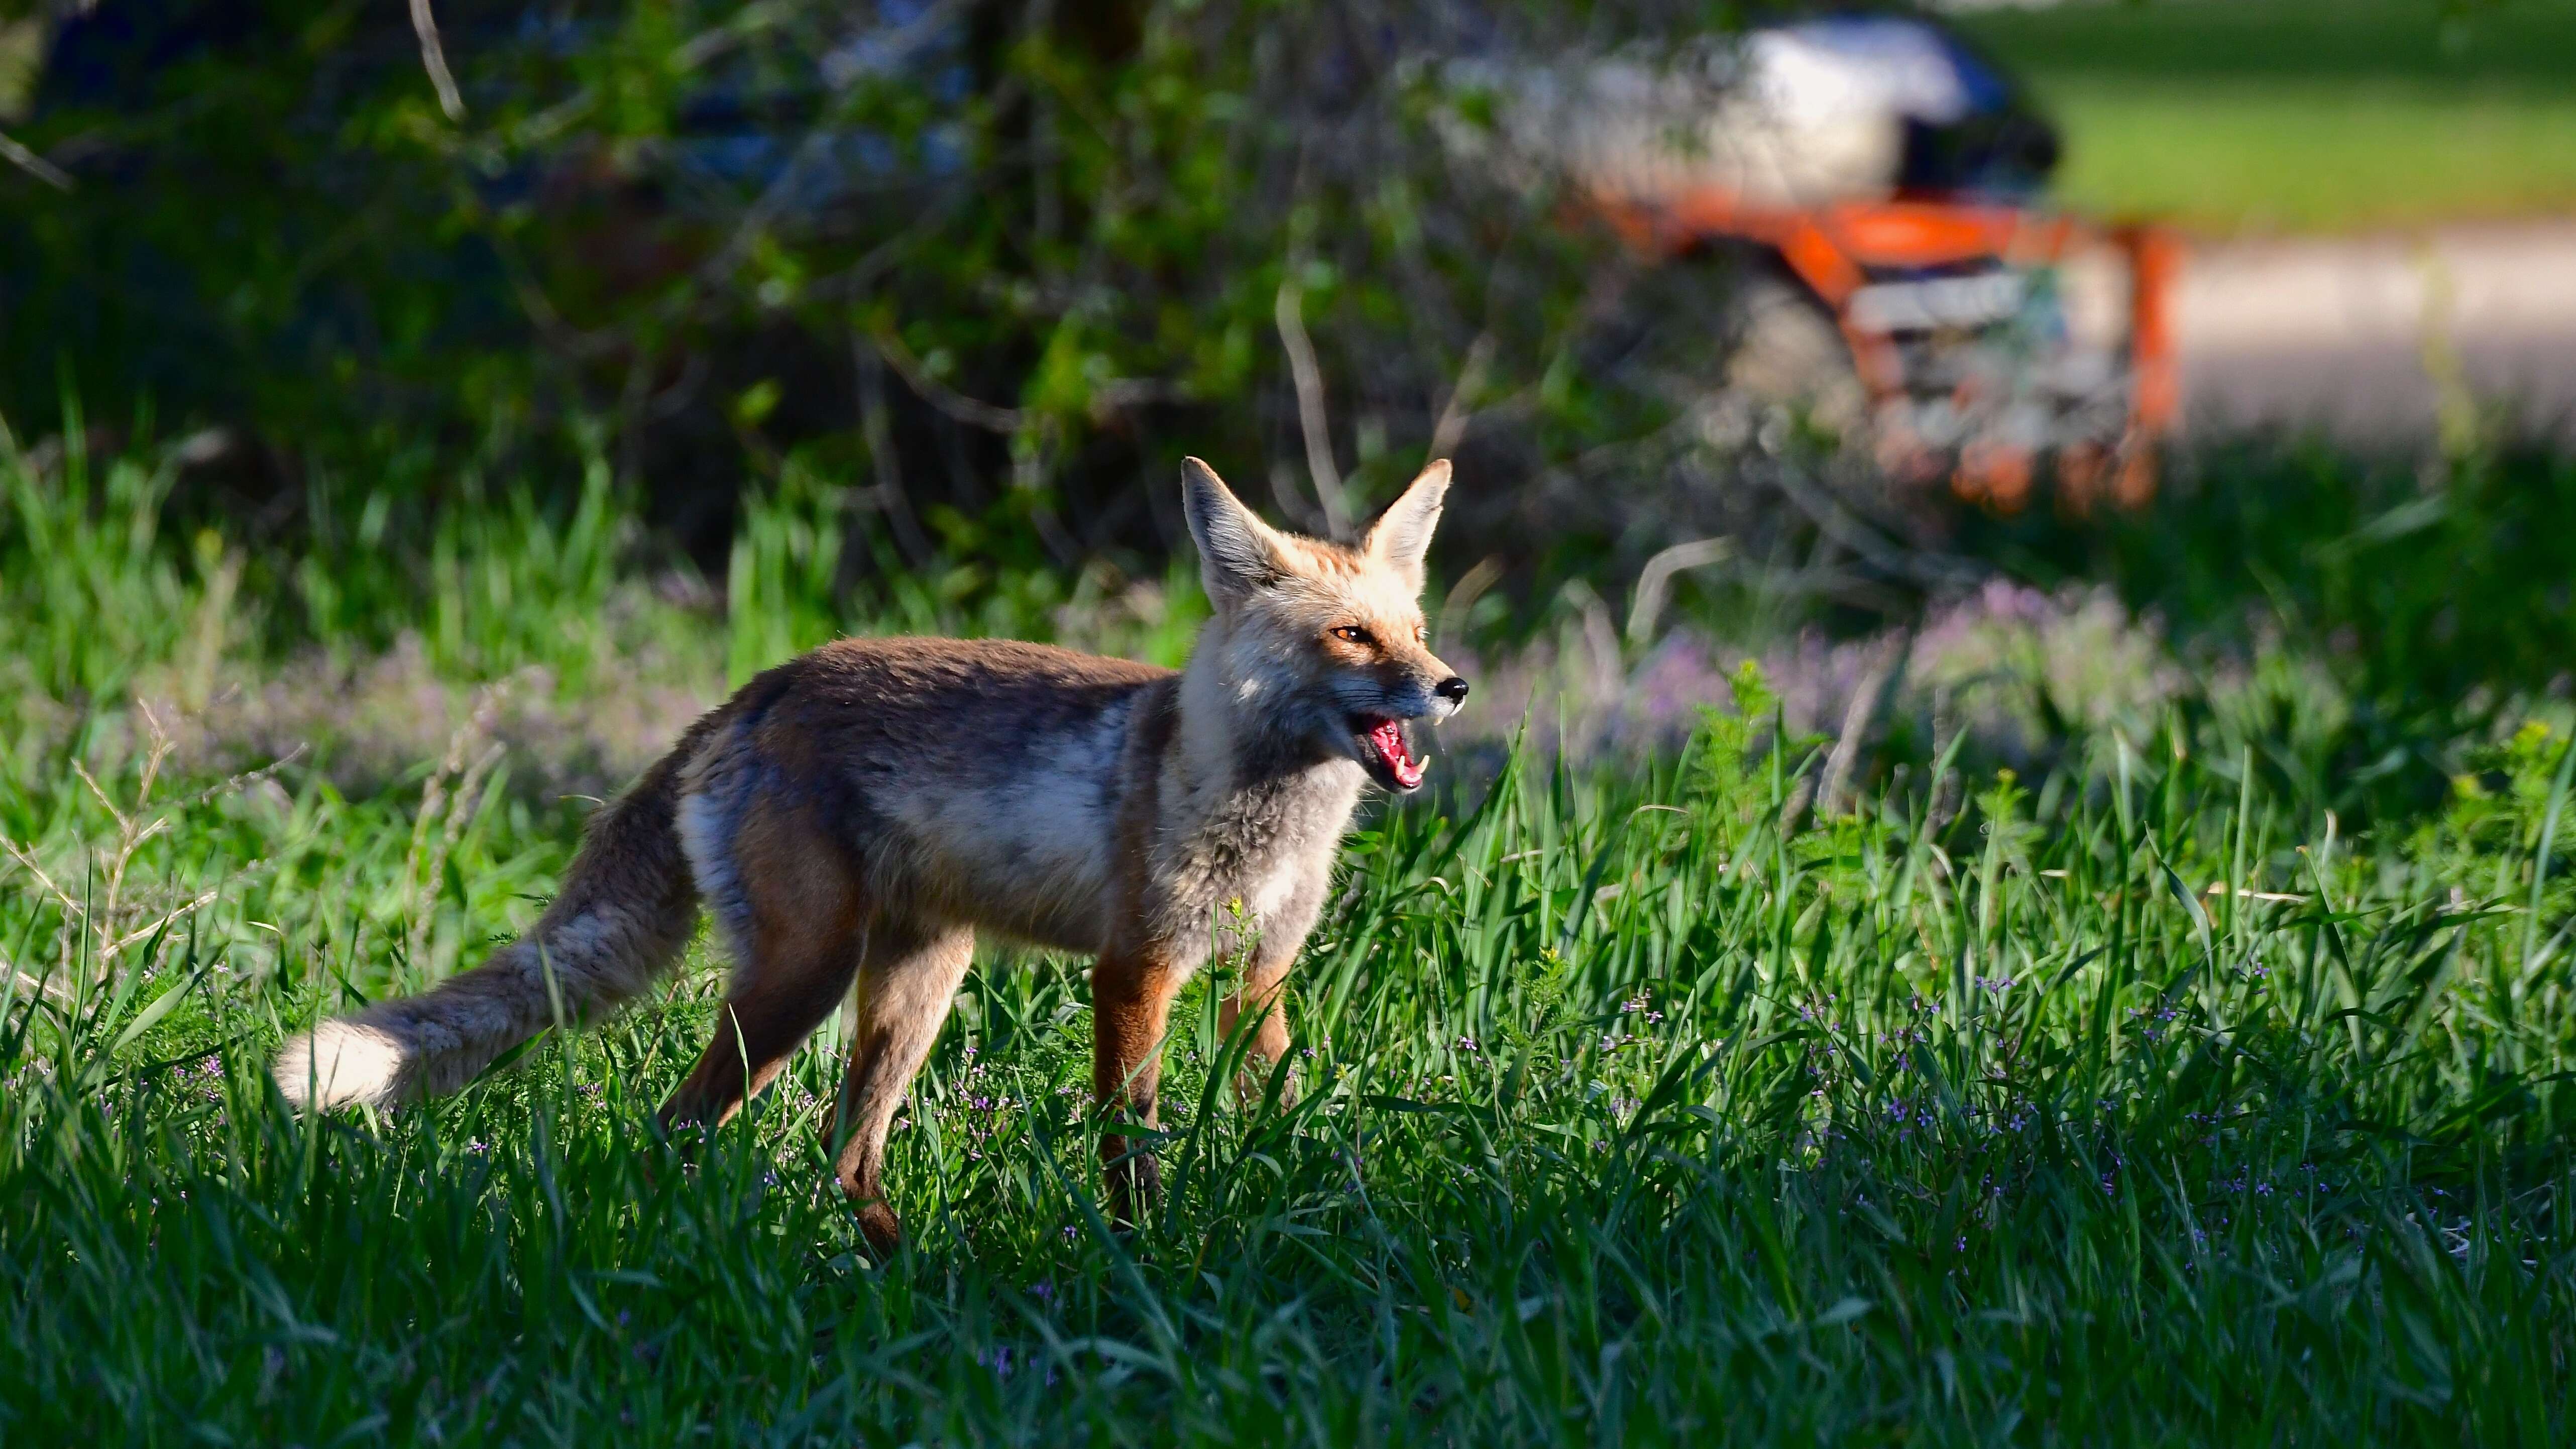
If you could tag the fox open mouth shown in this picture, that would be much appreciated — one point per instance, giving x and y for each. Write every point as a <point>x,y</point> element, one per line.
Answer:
<point>1386,749</point>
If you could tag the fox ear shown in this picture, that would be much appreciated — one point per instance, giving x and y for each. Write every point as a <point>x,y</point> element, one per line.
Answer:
<point>1237,551</point>
<point>1402,535</point>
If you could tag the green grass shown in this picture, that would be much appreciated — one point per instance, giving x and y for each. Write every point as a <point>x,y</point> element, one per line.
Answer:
<point>1640,1118</point>
<point>2288,115</point>
<point>2231,156</point>
<point>2150,1099</point>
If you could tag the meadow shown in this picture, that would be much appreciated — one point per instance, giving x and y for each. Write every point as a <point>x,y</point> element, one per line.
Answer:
<point>2302,115</point>
<point>2206,1079</point>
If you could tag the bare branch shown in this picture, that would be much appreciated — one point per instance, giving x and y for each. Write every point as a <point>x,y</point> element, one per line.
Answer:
<point>869,369</point>
<point>1290,315</point>
<point>1869,700</point>
<point>1656,579</point>
<point>1462,596</point>
<point>433,58</point>
<point>34,165</point>
<point>967,410</point>
<point>1452,424</point>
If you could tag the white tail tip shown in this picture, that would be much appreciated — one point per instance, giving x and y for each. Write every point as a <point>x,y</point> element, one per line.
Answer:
<point>339,1063</point>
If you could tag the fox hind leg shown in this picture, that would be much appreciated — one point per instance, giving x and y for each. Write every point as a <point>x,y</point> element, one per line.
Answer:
<point>797,944</point>
<point>905,986</point>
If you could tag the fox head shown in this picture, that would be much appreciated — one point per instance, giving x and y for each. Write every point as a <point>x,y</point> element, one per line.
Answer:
<point>1323,644</point>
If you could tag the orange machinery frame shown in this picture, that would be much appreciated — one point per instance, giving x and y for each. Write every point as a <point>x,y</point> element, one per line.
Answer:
<point>1828,248</point>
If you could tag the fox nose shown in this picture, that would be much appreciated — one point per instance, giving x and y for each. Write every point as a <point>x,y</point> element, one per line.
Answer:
<point>1452,689</point>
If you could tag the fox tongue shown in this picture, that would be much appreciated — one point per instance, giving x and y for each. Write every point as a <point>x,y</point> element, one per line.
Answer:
<point>1388,740</point>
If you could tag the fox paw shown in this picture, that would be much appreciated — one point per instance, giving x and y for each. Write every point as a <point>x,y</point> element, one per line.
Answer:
<point>1135,1190</point>
<point>882,1229</point>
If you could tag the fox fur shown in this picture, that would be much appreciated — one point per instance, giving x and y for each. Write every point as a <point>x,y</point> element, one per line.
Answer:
<point>863,811</point>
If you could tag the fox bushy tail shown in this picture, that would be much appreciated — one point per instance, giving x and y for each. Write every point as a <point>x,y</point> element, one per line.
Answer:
<point>627,910</point>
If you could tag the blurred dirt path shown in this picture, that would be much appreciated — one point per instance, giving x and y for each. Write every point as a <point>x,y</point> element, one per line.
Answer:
<point>2331,333</point>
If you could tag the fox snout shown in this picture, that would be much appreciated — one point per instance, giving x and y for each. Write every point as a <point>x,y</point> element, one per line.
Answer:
<point>1429,691</point>
<point>1382,729</point>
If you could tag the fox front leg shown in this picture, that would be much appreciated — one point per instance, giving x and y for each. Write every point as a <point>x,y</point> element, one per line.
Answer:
<point>1131,1004</point>
<point>1263,996</point>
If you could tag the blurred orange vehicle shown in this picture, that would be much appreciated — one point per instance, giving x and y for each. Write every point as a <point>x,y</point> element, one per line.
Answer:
<point>1908,286</point>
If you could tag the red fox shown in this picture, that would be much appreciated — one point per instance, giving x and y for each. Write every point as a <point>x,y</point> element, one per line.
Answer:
<point>863,811</point>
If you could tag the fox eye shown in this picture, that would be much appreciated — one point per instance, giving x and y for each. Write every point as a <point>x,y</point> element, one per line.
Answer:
<point>1354,634</point>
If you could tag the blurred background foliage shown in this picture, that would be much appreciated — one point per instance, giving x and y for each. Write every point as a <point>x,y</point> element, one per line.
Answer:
<point>1002,261</point>
<point>665,339</point>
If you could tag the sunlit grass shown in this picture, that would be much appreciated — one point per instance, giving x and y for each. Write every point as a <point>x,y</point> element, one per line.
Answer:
<point>1628,1113</point>
<point>2146,1098</point>
<point>2304,155</point>
<point>2302,115</point>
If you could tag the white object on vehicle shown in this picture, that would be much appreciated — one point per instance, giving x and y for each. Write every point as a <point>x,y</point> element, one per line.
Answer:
<point>1782,116</point>
<point>1967,301</point>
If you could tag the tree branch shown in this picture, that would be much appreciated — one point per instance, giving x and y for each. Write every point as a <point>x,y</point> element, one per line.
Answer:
<point>433,58</point>
<point>33,164</point>
<point>1290,315</point>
